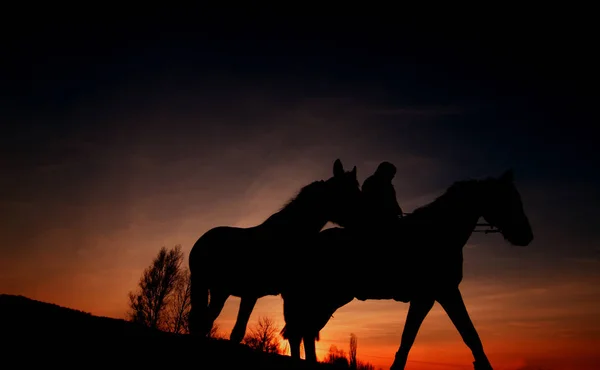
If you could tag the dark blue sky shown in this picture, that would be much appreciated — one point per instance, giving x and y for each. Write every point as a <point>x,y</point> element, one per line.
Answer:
<point>527,89</point>
<point>545,76</point>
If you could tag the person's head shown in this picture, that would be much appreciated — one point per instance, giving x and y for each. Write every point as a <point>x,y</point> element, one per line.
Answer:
<point>386,170</point>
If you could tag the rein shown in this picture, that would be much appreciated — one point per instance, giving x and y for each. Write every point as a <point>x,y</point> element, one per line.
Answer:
<point>487,227</point>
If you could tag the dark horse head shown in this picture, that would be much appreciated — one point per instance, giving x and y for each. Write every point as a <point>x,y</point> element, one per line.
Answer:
<point>502,208</point>
<point>341,196</point>
<point>337,199</point>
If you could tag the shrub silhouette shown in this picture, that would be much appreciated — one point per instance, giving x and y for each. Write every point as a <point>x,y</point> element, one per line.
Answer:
<point>339,358</point>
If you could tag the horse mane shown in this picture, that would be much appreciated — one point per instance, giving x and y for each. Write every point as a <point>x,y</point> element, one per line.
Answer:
<point>303,201</point>
<point>303,194</point>
<point>448,196</point>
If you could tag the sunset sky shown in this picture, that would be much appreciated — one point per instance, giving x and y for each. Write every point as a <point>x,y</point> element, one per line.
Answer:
<point>115,143</point>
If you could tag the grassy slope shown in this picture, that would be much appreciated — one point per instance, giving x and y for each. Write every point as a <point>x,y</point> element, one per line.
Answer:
<point>36,333</point>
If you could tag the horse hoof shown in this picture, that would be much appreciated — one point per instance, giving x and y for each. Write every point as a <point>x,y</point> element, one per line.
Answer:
<point>482,365</point>
<point>236,338</point>
<point>396,367</point>
<point>399,363</point>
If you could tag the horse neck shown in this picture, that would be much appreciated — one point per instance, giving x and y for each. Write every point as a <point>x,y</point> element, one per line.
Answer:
<point>454,215</point>
<point>296,221</point>
<point>302,215</point>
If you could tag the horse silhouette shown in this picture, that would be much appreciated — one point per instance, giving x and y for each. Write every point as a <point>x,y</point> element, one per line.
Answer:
<point>418,261</point>
<point>246,253</point>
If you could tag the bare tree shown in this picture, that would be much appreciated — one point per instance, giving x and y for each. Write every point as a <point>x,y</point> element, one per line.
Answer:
<point>264,336</point>
<point>179,309</point>
<point>352,355</point>
<point>148,305</point>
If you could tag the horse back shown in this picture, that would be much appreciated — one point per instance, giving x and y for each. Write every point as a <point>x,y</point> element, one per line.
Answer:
<point>222,242</point>
<point>237,249</point>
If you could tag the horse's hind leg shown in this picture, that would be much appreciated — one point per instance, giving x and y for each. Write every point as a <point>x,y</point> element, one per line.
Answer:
<point>310,350</point>
<point>454,306</point>
<point>244,312</point>
<point>217,301</point>
<point>198,307</point>
<point>202,311</point>
<point>295,342</point>
<point>418,310</point>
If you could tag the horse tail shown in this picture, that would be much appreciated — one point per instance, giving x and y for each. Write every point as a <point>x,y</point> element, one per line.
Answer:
<point>284,333</point>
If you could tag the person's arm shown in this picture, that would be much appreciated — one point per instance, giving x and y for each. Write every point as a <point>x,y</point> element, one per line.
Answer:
<point>397,208</point>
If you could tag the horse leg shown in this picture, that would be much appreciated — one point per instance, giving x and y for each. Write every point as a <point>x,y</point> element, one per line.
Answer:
<point>310,350</point>
<point>244,312</point>
<point>453,304</point>
<point>215,305</point>
<point>198,307</point>
<point>292,316</point>
<point>417,311</point>
<point>295,342</point>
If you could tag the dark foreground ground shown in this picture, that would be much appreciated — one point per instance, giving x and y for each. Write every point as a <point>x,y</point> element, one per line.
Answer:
<point>35,333</point>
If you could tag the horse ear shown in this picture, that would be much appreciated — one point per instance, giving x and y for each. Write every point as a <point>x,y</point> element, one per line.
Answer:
<point>338,168</point>
<point>353,171</point>
<point>507,176</point>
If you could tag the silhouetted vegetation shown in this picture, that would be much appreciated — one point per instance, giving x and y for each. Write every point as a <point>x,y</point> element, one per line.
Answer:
<point>178,310</point>
<point>162,300</point>
<point>264,336</point>
<point>338,357</point>
<point>215,332</point>
<point>352,354</point>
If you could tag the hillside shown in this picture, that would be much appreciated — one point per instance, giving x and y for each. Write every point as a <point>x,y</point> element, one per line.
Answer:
<point>39,333</point>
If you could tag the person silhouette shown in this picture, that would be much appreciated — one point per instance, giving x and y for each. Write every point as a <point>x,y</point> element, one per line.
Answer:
<point>381,212</point>
<point>380,196</point>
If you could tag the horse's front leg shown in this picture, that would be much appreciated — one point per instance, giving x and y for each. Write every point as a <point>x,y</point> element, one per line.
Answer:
<point>295,341</point>
<point>453,304</point>
<point>418,310</point>
<point>239,329</point>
